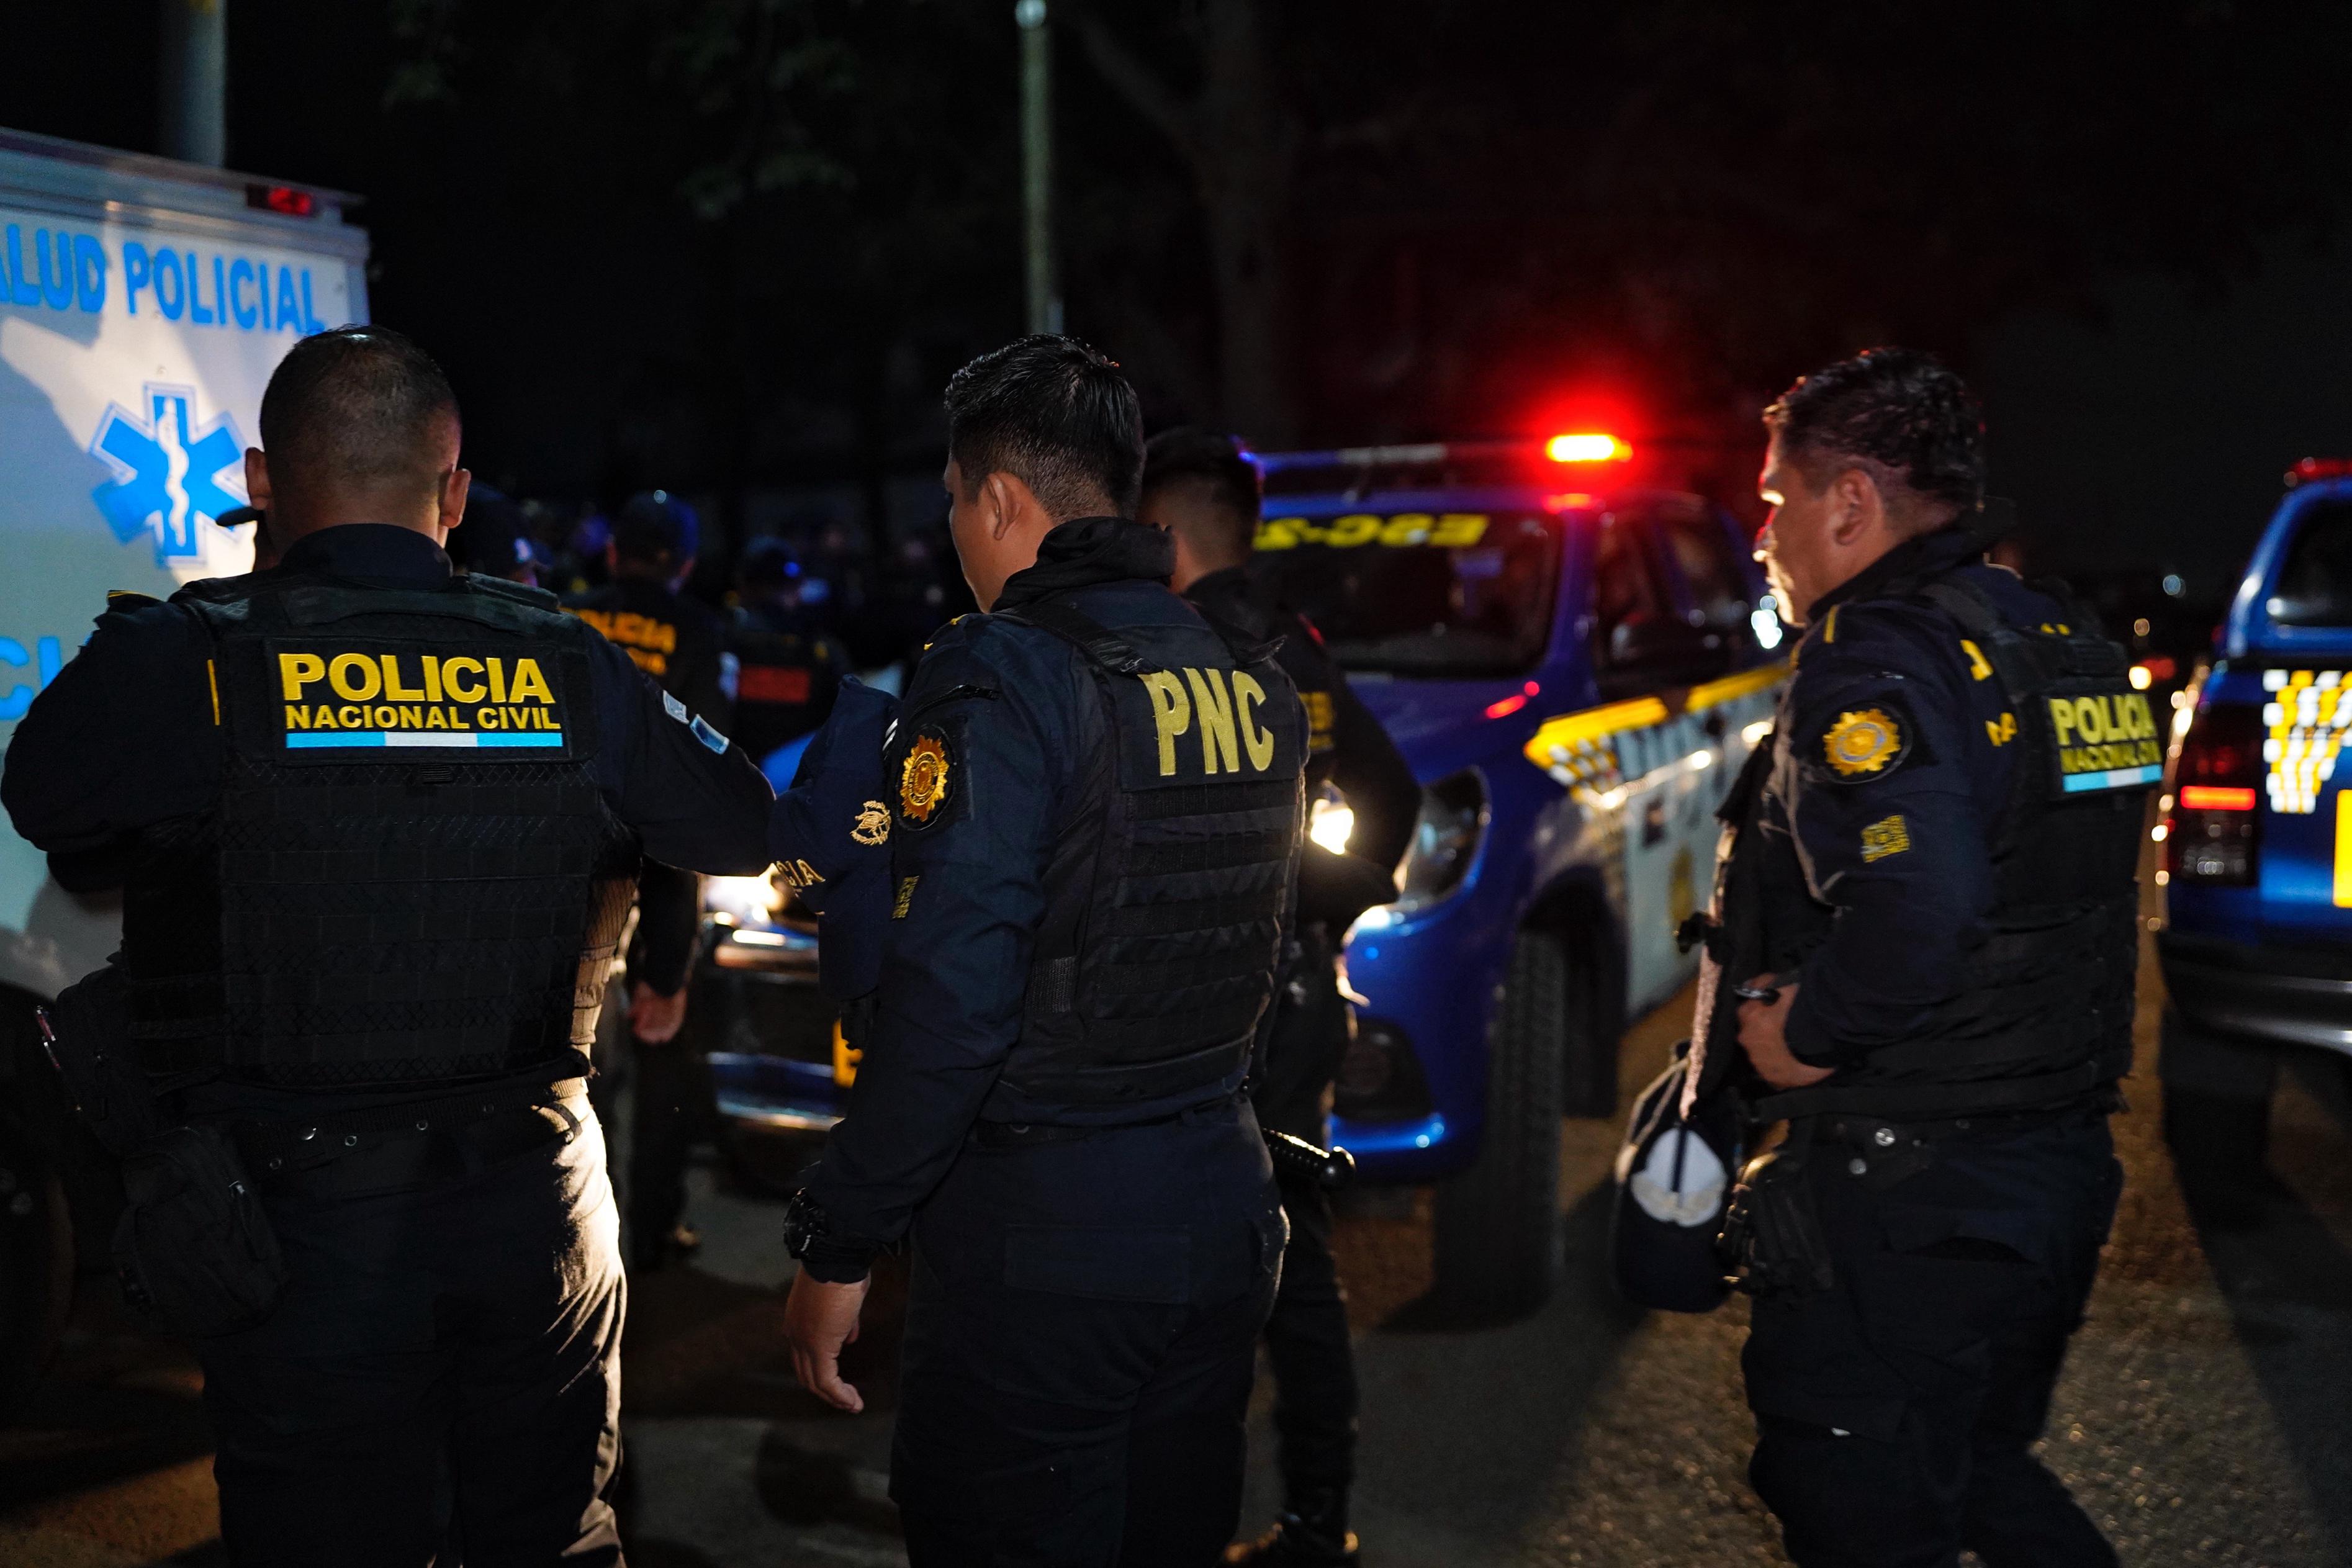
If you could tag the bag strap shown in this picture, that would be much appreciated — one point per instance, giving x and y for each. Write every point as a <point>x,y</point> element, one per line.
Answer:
<point>1104,647</point>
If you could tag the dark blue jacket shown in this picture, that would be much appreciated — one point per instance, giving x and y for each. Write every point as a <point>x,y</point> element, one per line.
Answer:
<point>1891,771</point>
<point>968,890</point>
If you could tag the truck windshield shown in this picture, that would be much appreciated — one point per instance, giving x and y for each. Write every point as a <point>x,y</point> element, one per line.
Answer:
<point>2314,587</point>
<point>1444,594</point>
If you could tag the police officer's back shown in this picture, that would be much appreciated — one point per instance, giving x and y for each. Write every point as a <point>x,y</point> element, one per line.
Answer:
<point>676,642</point>
<point>1205,492</point>
<point>377,828</point>
<point>1097,809</point>
<point>1946,844</point>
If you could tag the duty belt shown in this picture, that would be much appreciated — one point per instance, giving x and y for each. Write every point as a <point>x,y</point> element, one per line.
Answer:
<point>410,1144</point>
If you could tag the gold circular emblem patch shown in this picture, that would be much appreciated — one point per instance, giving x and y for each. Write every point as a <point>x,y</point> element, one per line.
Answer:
<point>923,781</point>
<point>1862,743</point>
<point>873,828</point>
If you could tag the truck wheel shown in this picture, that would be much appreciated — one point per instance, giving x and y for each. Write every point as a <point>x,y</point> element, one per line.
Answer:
<point>2217,1104</point>
<point>1498,1224</point>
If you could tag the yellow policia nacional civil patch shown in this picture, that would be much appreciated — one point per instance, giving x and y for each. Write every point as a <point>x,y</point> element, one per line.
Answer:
<point>1867,741</point>
<point>923,779</point>
<point>1886,836</point>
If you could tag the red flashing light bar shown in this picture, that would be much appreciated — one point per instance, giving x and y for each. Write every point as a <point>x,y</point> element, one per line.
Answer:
<point>1588,447</point>
<point>2311,468</point>
<point>289,200</point>
<point>2216,798</point>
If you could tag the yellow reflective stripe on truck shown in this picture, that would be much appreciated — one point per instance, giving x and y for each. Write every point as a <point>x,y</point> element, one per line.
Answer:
<point>1557,741</point>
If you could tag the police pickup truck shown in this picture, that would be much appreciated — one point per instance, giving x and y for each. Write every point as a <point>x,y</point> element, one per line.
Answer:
<point>2256,835</point>
<point>1575,663</point>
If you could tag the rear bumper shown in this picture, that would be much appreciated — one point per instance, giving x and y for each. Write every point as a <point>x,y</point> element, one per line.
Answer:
<point>2289,996</point>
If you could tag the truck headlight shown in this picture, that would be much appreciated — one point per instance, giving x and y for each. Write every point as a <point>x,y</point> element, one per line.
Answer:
<point>743,900</point>
<point>1446,839</point>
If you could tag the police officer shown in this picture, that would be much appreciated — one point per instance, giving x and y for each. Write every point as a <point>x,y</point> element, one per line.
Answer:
<point>1949,828</point>
<point>1203,489</point>
<point>786,667</point>
<point>1096,812</point>
<point>676,641</point>
<point>380,825</point>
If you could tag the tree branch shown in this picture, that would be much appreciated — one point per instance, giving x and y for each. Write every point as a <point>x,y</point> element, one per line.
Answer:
<point>1144,91</point>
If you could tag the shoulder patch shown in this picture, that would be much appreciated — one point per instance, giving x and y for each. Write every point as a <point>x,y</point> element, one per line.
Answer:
<point>1866,742</point>
<point>927,778</point>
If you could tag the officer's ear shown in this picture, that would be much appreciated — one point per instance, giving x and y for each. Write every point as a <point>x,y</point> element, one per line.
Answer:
<point>1007,499</point>
<point>257,478</point>
<point>454,486</point>
<point>1857,506</point>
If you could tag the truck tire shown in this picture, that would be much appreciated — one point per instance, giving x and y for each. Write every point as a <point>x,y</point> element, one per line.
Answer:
<point>2217,1104</point>
<point>1498,1224</point>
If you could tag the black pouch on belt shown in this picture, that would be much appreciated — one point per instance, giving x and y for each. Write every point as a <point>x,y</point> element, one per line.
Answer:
<point>194,1247</point>
<point>1772,1240</point>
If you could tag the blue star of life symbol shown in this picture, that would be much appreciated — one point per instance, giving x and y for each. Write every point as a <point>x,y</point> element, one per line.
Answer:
<point>167,471</point>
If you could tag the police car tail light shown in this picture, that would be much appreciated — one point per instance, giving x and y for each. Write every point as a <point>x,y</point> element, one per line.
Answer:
<point>1446,840</point>
<point>1587,446</point>
<point>2211,826</point>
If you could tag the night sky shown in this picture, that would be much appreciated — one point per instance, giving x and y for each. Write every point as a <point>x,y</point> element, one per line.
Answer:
<point>734,246</point>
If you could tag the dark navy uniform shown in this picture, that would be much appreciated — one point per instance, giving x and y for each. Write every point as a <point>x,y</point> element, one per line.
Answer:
<point>378,828</point>
<point>1306,1341</point>
<point>1955,796</point>
<point>676,642</point>
<point>1096,806</point>
<point>830,839</point>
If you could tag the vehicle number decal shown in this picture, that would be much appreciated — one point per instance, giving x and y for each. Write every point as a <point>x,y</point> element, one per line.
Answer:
<point>1442,531</point>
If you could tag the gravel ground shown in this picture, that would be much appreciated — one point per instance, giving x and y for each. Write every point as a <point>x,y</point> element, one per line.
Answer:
<point>2200,1419</point>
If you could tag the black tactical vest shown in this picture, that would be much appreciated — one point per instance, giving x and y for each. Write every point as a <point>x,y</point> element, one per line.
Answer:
<point>1171,879</point>
<point>411,873</point>
<point>2042,1014</point>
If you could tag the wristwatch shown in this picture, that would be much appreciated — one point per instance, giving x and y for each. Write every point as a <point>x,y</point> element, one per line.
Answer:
<point>803,1223</point>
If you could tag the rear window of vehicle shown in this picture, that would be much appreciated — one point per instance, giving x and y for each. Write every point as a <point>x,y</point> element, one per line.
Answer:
<point>2314,587</point>
<point>1451,594</point>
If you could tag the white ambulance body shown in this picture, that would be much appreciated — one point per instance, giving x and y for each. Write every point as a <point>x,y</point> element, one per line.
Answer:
<point>143,304</point>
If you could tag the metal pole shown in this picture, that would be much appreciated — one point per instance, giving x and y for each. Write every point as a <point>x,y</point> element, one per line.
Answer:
<point>192,81</point>
<point>1037,164</point>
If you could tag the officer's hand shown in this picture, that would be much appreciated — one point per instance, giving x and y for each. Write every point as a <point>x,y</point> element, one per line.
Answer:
<point>1763,1035</point>
<point>819,1319</point>
<point>654,1018</point>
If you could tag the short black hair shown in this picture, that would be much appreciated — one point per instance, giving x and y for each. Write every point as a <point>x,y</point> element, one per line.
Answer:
<point>357,406</point>
<point>1054,413</point>
<point>1217,469</point>
<point>1897,410</point>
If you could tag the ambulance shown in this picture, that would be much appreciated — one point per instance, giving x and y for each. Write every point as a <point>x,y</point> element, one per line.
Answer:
<point>143,304</point>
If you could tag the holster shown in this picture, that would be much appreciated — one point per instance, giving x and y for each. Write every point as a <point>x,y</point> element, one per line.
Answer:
<point>1772,1242</point>
<point>194,1247</point>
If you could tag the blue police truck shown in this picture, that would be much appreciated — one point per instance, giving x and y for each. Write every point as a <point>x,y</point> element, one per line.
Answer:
<point>2256,833</point>
<point>1575,662</point>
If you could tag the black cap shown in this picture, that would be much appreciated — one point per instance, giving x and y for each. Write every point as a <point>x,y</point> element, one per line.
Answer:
<point>656,527</point>
<point>769,563</point>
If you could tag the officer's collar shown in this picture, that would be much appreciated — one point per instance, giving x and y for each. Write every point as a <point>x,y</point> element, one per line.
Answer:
<point>1089,549</point>
<point>382,551</point>
<point>1913,561</point>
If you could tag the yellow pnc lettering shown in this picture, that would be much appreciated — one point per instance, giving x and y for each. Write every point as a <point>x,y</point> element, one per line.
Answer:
<point>1171,715</point>
<point>2062,714</point>
<point>297,670</point>
<point>432,678</point>
<point>1216,709</point>
<point>1249,694</point>
<point>497,680</point>
<point>529,685</point>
